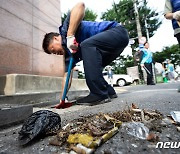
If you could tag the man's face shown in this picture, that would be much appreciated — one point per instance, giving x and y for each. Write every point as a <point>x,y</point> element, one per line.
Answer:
<point>55,46</point>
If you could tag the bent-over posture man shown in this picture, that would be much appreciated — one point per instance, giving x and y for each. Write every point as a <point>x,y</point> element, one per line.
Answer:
<point>99,44</point>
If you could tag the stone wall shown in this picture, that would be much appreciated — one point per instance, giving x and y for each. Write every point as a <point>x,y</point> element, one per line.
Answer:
<point>22,28</point>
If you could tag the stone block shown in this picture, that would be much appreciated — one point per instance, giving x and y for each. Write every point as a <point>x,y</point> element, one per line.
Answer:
<point>12,84</point>
<point>11,114</point>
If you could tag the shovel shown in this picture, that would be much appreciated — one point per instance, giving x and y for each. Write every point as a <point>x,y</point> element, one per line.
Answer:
<point>64,104</point>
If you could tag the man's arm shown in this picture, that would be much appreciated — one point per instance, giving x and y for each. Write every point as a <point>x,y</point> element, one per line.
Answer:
<point>168,10</point>
<point>168,13</point>
<point>169,16</point>
<point>77,14</point>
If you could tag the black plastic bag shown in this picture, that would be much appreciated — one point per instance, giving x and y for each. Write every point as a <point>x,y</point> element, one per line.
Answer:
<point>40,123</point>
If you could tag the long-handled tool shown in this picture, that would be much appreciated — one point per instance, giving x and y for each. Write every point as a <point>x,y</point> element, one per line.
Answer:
<point>146,70</point>
<point>64,104</point>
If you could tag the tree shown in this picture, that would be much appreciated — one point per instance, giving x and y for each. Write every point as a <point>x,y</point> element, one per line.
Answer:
<point>123,12</point>
<point>89,15</point>
<point>172,53</point>
<point>121,63</point>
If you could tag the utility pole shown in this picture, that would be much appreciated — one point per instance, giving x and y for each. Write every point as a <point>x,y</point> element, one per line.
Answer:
<point>146,25</point>
<point>139,32</point>
<point>137,19</point>
<point>147,31</point>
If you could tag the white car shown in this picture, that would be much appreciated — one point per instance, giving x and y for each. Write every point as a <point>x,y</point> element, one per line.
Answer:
<point>119,79</point>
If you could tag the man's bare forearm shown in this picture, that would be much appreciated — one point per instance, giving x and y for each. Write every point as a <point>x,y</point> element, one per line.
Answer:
<point>77,14</point>
<point>169,16</point>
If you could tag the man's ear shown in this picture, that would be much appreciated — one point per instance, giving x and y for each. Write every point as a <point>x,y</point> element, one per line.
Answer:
<point>56,38</point>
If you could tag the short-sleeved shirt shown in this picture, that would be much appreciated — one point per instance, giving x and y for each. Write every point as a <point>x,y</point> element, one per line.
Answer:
<point>168,9</point>
<point>85,30</point>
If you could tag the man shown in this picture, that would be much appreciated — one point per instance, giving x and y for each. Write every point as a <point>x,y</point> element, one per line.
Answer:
<point>172,12</point>
<point>99,43</point>
<point>146,62</point>
<point>110,75</point>
<point>170,70</point>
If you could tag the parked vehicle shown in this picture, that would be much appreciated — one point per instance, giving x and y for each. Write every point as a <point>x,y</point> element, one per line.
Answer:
<point>119,79</point>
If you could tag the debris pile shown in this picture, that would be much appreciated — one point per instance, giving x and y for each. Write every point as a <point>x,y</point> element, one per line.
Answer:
<point>85,134</point>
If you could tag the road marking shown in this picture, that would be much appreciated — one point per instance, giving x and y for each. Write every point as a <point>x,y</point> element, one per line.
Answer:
<point>120,90</point>
<point>156,90</point>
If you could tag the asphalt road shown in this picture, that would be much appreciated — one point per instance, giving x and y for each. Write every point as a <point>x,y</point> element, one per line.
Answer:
<point>163,97</point>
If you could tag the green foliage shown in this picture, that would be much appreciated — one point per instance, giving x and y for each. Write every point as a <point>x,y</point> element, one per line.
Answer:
<point>63,17</point>
<point>123,12</point>
<point>90,15</point>
<point>172,53</point>
<point>121,63</point>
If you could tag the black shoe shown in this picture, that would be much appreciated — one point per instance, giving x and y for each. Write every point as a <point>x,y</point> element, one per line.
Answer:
<point>151,84</point>
<point>113,96</point>
<point>91,100</point>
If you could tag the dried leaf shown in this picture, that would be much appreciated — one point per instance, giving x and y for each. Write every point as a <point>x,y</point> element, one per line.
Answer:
<point>133,106</point>
<point>152,137</point>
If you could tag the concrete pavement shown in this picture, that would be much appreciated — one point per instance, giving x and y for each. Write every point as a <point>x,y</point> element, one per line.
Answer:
<point>163,97</point>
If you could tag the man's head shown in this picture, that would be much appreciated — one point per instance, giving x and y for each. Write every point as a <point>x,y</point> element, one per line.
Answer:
<point>146,45</point>
<point>52,44</point>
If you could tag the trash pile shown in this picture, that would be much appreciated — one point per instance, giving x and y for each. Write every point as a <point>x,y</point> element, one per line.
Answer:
<point>85,134</point>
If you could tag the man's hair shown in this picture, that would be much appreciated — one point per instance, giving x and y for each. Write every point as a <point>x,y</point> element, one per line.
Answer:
<point>47,40</point>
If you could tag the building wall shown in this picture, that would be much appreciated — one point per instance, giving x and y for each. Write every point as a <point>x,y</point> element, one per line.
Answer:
<point>23,24</point>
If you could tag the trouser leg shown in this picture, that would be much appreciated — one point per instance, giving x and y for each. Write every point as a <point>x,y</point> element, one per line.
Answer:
<point>178,38</point>
<point>99,51</point>
<point>92,61</point>
<point>150,73</point>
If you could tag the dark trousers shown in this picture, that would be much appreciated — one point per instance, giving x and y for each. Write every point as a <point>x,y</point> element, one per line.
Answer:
<point>149,73</point>
<point>178,38</point>
<point>99,51</point>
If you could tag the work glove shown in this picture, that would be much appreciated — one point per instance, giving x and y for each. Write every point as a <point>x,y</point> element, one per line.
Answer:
<point>72,45</point>
<point>176,15</point>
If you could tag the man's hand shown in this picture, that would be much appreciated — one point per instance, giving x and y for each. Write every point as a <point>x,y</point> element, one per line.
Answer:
<point>142,66</point>
<point>142,40</point>
<point>176,15</point>
<point>72,45</point>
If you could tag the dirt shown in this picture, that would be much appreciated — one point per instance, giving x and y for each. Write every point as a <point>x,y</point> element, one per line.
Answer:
<point>161,129</point>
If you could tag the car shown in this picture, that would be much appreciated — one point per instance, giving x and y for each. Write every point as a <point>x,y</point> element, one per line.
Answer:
<point>119,79</point>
